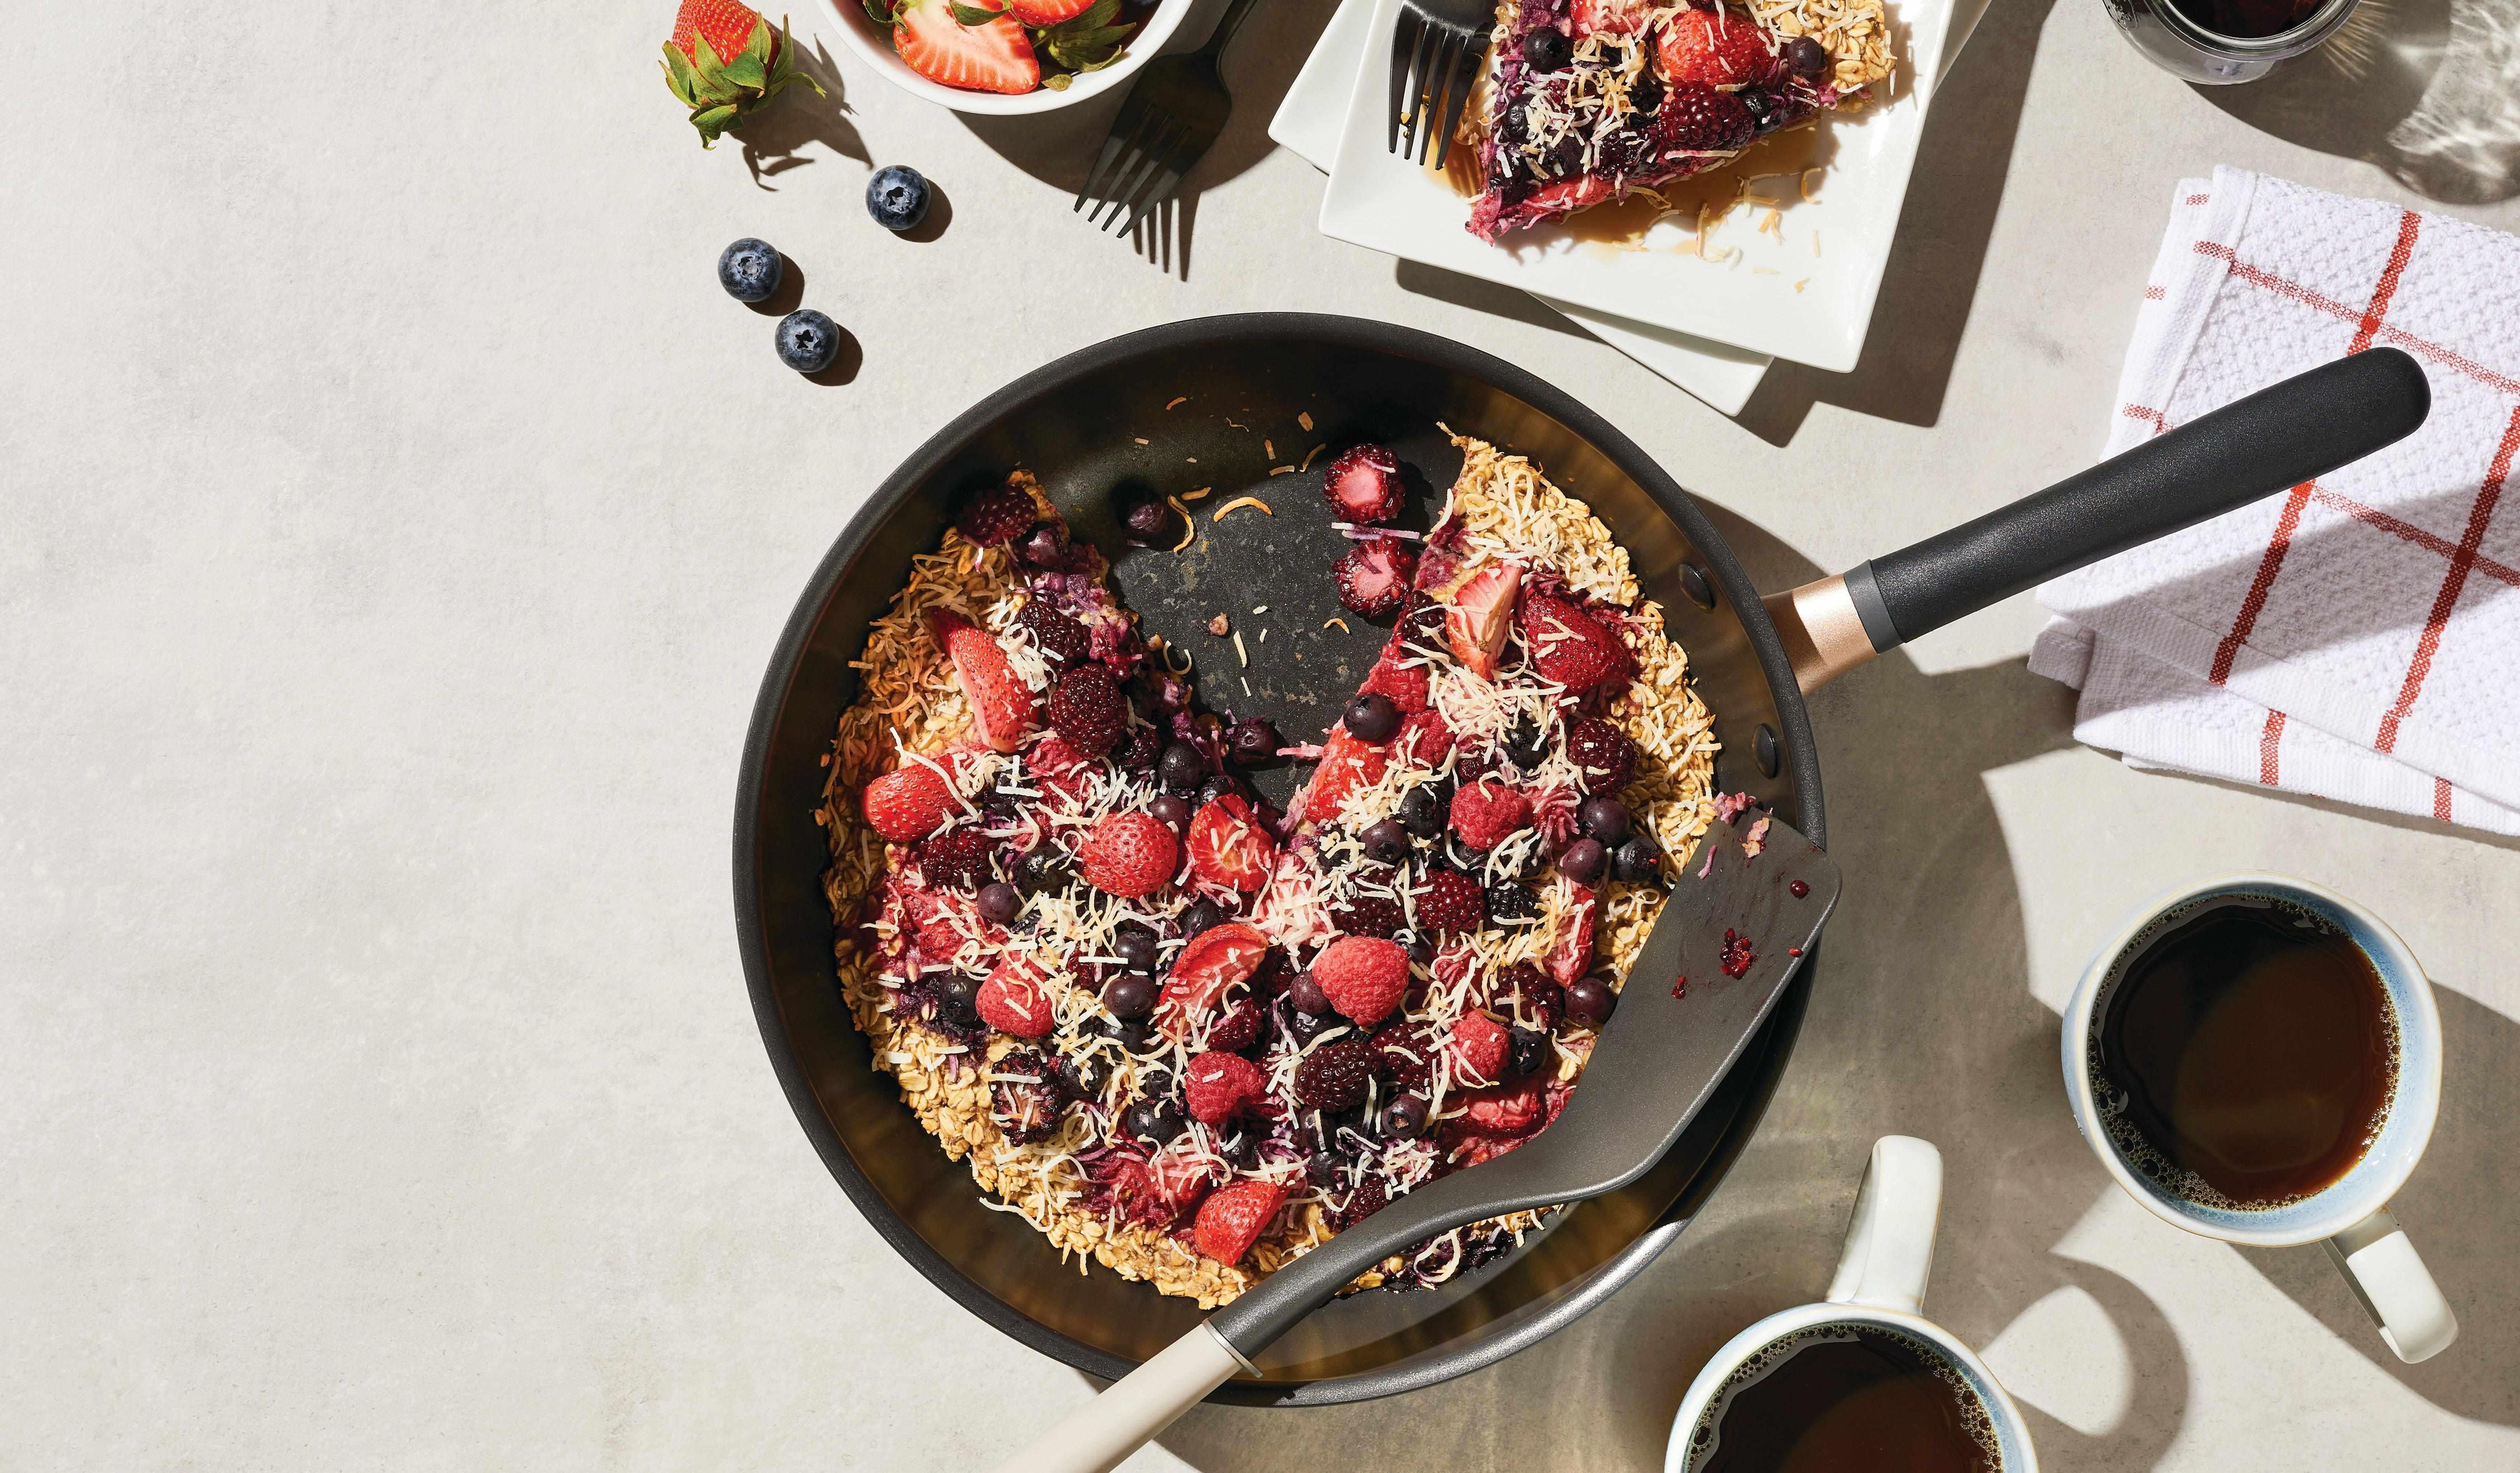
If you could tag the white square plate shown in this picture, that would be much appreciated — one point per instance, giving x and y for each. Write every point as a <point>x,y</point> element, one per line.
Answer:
<point>1385,202</point>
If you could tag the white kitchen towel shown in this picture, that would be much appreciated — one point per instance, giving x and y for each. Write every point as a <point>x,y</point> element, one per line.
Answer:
<point>2359,637</point>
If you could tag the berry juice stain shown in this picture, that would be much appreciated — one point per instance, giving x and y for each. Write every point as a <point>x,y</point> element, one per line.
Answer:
<point>1737,955</point>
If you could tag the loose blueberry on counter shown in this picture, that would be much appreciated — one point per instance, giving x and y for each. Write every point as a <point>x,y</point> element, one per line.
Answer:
<point>1154,1122</point>
<point>1372,718</point>
<point>1584,861</point>
<point>1421,813</point>
<point>1590,1000</point>
<point>1386,840</point>
<point>1253,741</point>
<point>898,197</point>
<point>1806,57</point>
<point>1145,515</point>
<point>1135,946</point>
<point>1042,868</point>
<point>1202,915</point>
<point>1603,818</point>
<point>1000,901</point>
<point>1172,811</point>
<point>749,269</point>
<point>1181,769</point>
<point>1130,996</point>
<point>1403,1118</point>
<point>1526,1050</point>
<point>1640,859</point>
<point>1546,49</point>
<point>1308,996</point>
<point>808,341</point>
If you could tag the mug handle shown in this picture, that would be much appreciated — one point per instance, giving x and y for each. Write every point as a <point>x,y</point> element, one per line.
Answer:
<point>1889,1249</point>
<point>2381,1266</point>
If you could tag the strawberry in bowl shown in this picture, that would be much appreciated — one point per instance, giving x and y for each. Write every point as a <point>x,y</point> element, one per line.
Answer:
<point>1005,56</point>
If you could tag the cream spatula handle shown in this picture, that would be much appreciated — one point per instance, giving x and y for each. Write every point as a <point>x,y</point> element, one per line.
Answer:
<point>1097,1436</point>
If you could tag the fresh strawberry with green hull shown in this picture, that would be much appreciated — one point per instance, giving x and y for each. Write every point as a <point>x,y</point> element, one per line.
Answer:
<point>994,56</point>
<point>723,62</point>
<point>1002,708</point>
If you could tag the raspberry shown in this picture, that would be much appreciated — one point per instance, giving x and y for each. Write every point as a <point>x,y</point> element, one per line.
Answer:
<point>1233,1217</point>
<point>1129,854</point>
<point>1480,1045</point>
<point>1374,577</point>
<point>1363,485</point>
<point>1700,119</point>
<point>1508,1110</point>
<point>1363,977</point>
<point>908,804</point>
<point>1424,739</point>
<point>1368,915</point>
<point>1450,903</point>
<point>999,514</point>
<point>956,860</point>
<point>1487,812</point>
<point>1602,753</point>
<point>1087,707</point>
<point>1063,640</point>
<point>1335,1076</point>
<point>1025,1108</point>
<point>1221,1085</point>
<point>1015,1001</point>
<point>1405,685</point>
<point>1368,1197</point>
<point>1568,646</point>
<point>1403,1056</point>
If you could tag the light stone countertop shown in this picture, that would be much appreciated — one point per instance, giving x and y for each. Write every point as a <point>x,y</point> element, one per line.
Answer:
<point>397,519</point>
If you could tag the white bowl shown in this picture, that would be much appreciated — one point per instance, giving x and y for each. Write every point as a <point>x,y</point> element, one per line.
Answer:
<point>874,46</point>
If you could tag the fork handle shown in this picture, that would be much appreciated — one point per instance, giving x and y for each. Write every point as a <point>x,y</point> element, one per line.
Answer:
<point>1226,26</point>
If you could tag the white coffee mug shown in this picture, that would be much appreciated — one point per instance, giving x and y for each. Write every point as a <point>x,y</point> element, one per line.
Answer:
<point>1880,1284</point>
<point>2351,1217</point>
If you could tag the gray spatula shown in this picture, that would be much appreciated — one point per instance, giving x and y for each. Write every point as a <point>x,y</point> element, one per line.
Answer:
<point>1717,958</point>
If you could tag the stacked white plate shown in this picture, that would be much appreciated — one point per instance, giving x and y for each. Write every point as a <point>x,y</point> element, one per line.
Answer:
<point>1709,316</point>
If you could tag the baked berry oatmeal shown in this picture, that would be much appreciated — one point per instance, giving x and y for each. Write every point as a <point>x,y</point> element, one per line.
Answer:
<point>1589,101</point>
<point>1188,1035</point>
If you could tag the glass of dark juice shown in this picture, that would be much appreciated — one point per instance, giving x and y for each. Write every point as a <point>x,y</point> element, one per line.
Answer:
<point>2218,42</point>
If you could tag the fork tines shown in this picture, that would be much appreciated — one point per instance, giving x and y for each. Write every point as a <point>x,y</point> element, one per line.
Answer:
<point>1139,166</point>
<point>1435,67</point>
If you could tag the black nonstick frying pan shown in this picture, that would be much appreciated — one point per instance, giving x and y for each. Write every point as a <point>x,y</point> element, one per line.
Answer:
<point>1222,404</point>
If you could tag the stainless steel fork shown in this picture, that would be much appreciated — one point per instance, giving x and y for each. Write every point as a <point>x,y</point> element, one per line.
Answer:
<point>1435,60</point>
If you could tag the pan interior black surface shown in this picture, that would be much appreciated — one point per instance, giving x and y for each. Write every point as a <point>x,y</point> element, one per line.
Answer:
<point>1221,405</point>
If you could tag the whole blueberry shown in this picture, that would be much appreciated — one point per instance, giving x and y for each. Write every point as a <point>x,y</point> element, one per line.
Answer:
<point>1144,514</point>
<point>1202,915</point>
<point>1372,718</point>
<point>1403,1118</point>
<point>1604,819</point>
<point>1806,57</point>
<point>1307,996</point>
<point>957,993</point>
<point>1181,769</point>
<point>1590,1000</point>
<point>1386,841</point>
<point>1641,858</point>
<point>1131,1034</point>
<point>897,196</point>
<point>1527,744</point>
<point>808,341</point>
<point>1082,1077</point>
<point>1130,996</point>
<point>1526,1049</point>
<point>749,269</point>
<point>1172,811</point>
<point>1303,1028</point>
<point>1153,1122</point>
<point>1000,901</point>
<point>1241,1151</point>
<point>1136,947</point>
<point>1584,861</point>
<point>1042,868</point>
<point>1253,741</point>
<point>1421,813</point>
<point>1217,786</point>
<point>1322,1168</point>
<point>1546,49</point>
<point>1420,947</point>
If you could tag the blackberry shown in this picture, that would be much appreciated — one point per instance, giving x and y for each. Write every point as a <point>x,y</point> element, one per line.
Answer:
<point>1699,118</point>
<point>956,860</point>
<point>1238,1029</point>
<point>999,514</point>
<point>1334,1076</point>
<point>1511,900</point>
<point>1602,753</point>
<point>1368,1198</point>
<point>1025,1109</point>
<point>1143,749</point>
<point>1522,993</point>
<point>1087,708</point>
<point>1368,915</point>
<point>1063,639</point>
<point>1402,1056</point>
<point>1450,903</point>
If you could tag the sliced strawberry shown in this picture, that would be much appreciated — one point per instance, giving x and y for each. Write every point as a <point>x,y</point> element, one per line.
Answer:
<point>1719,49</point>
<point>908,802</point>
<point>1002,707</point>
<point>1016,1000</point>
<point>992,57</point>
<point>1617,17</point>
<point>1047,11</point>
<point>1565,196</point>
<point>1347,764</point>
<point>1180,1181</point>
<point>1573,950</point>
<point>1508,1111</point>
<point>1568,645</point>
<point>1233,1219</point>
<point>1226,847</point>
<point>1215,960</point>
<point>1480,616</point>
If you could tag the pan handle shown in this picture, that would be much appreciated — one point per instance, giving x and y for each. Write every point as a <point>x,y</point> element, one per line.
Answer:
<point>2272,440</point>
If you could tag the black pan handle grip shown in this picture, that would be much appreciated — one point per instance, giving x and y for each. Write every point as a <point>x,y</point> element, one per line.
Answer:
<point>2273,441</point>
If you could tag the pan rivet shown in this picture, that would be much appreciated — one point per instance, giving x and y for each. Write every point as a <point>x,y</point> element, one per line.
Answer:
<point>1766,748</point>
<point>1692,582</point>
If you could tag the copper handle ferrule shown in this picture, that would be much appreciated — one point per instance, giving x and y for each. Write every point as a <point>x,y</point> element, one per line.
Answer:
<point>1822,633</point>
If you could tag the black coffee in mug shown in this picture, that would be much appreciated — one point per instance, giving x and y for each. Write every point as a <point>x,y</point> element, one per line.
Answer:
<point>1845,1397</point>
<point>2246,1053</point>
